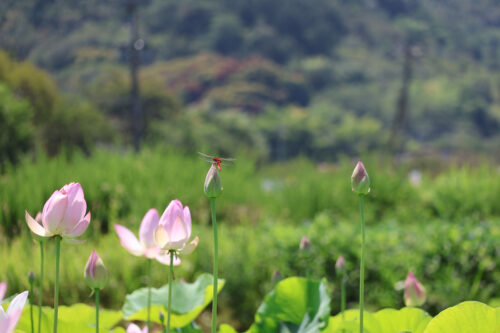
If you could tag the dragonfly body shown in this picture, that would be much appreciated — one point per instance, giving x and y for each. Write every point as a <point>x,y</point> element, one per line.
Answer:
<point>219,161</point>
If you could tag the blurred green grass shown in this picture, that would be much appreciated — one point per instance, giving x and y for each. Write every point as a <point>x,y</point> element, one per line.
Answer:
<point>444,229</point>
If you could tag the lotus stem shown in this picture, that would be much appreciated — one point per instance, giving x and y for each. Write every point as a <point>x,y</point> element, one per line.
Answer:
<point>31,303</point>
<point>216,266</point>
<point>342,294</point>
<point>149,295</point>
<point>97,301</point>
<point>40,294</point>
<point>170,282</point>
<point>56,288</point>
<point>362,268</point>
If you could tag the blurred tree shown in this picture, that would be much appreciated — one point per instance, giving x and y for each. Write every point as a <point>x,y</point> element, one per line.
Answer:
<point>16,131</point>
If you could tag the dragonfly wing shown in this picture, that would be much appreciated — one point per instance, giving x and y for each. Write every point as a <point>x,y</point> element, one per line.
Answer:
<point>205,155</point>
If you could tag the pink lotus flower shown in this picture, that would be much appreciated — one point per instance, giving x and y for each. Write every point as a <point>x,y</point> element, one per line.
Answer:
<point>174,229</point>
<point>63,214</point>
<point>415,293</point>
<point>133,328</point>
<point>9,319</point>
<point>146,245</point>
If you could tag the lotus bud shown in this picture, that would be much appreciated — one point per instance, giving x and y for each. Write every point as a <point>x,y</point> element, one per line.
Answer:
<point>277,277</point>
<point>340,265</point>
<point>161,316</point>
<point>31,277</point>
<point>96,275</point>
<point>305,243</point>
<point>360,182</point>
<point>415,293</point>
<point>213,186</point>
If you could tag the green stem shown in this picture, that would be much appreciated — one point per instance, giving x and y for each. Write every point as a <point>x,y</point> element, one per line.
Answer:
<point>40,294</point>
<point>149,295</point>
<point>342,294</point>
<point>56,287</point>
<point>362,269</point>
<point>170,282</point>
<point>163,328</point>
<point>31,306</point>
<point>97,302</point>
<point>216,266</point>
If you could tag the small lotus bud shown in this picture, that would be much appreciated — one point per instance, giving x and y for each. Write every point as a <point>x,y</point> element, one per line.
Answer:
<point>95,273</point>
<point>31,277</point>
<point>213,186</point>
<point>305,243</point>
<point>360,182</point>
<point>161,315</point>
<point>277,277</point>
<point>415,293</point>
<point>340,265</point>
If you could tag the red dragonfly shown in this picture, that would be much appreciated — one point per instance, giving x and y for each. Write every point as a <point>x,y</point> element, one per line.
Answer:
<point>217,160</point>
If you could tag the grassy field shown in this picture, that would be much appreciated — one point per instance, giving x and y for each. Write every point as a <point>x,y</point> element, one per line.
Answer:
<point>445,228</point>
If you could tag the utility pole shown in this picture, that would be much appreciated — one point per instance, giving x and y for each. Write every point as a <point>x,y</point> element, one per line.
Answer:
<point>135,45</point>
<point>396,140</point>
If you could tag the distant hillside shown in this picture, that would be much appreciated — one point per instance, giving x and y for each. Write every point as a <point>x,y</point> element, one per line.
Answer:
<point>426,69</point>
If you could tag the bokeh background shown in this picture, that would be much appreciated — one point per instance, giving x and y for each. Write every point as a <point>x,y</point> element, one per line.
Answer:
<point>120,95</point>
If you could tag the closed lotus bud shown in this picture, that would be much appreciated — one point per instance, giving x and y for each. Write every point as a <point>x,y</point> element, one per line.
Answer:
<point>161,315</point>
<point>360,182</point>
<point>277,277</point>
<point>305,244</point>
<point>415,294</point>
<point>213,187</point>
<point>96,275</point>
<point>31,277</point>
<point>340,265</point>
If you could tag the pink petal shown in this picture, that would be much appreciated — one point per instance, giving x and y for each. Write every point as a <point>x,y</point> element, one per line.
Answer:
<point>173,210</point>
<point>13,319</point>
<point>91,264</point>
<point>3,290</point>
<point>165,259</point>
<point>178,232</point>
<point>129,241</point>
<point>17,303</point>
<point>75,209</point>
<point>191,246</point>
<point>80,227</point>
<point>187,220</point>
<point>148,226</point>
<point>161,236</point>
<point>53,212</point>
<point>4,322</point>
<point>35,227</point>
<point>151,252</point>
<point>133,328</point>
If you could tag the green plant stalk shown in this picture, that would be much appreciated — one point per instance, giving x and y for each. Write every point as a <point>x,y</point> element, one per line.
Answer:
<point>342,295</point>
<point>149,295</point>
<point>170,281</point>
<point>56,287</point>
<point>163,328</point>
<point>97,301</point>
<point>362,268</point>
<point>216,266</point>
<point>40,294</point>
<point>31,306</point>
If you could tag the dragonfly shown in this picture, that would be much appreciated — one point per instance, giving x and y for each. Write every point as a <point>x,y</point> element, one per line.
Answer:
<point>217,160</point>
